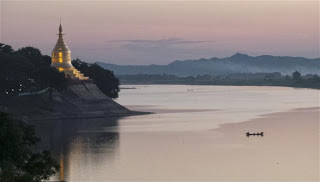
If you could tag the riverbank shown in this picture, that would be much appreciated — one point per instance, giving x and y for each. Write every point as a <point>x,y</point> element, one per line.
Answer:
<point>241,79</point>
<point>78,101</point>
<point>258,84</point>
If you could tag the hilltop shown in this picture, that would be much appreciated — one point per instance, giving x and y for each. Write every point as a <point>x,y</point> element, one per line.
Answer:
<point>31,88</point>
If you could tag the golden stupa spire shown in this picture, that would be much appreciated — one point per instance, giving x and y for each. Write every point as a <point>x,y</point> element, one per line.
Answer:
<point>60,28</point>
<point>61,58</point>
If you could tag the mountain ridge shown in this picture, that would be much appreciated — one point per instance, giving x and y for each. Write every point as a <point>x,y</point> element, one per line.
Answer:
<point>237,63</point>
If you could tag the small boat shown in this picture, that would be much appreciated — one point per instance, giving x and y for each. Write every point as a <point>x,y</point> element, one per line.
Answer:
<point>258,134</point>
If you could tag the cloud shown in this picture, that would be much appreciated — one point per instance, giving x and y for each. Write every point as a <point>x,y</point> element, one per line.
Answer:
<point>162,51</point>
<point>167,46</point>
<point>163,42</point>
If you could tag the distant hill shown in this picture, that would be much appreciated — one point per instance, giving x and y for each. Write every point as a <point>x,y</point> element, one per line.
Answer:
<point>238,63</point>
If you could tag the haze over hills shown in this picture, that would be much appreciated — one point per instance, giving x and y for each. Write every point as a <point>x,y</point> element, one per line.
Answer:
<point>238,63</point>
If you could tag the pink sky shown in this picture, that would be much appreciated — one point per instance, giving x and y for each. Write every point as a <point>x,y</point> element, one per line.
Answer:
<point>141,32</point>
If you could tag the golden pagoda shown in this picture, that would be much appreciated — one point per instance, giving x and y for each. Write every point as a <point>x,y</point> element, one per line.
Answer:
<point>61,59</point>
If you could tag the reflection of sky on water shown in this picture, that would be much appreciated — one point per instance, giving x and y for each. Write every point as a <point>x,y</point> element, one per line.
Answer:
<point>181,141</point>
<point>82,146</point>
<point>178,107</point>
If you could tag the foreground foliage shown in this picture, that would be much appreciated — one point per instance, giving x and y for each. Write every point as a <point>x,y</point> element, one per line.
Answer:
<point>17,161</point>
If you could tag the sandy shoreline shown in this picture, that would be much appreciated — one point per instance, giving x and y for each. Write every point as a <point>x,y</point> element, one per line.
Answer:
<point>288,151</point>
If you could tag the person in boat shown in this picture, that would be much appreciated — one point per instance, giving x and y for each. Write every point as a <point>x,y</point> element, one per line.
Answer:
<point>261,133</point>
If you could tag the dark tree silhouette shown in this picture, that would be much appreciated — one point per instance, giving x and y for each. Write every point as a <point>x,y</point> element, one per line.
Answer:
<point>296,76</point>
<point>29,68</point>
<point>17,161</point>
<point>104,79</point>
<point>34,55</point>
<point>52,78</point>
<point>5,48</point>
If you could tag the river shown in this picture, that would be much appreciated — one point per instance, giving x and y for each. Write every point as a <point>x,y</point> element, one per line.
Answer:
<point>177,142</point>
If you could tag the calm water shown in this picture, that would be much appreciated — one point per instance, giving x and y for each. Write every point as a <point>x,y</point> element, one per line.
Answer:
<point>175,143</point>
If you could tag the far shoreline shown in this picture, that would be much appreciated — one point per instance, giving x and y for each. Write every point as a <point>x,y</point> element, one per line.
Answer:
<point>197,84</point>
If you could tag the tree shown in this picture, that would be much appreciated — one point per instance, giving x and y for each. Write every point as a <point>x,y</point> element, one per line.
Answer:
<point>30,52</point>
<point>28,67</point>
<point>33,54</point>
<point>14,71</point>
<point>17,161</point>
<point>5,48</point>
<point>287,77</point>
<point>52,78</point>
<point>44,75</point>
<point>77,63</point>
<point>296,76</point>
<point>104,79</point>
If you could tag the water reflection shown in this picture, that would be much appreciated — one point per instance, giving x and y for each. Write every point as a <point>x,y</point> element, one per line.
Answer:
<point>83,146</point>
<point>182,141</point>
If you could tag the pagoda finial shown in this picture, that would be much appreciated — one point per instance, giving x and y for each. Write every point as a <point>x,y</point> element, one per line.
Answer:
<point>60,28</point>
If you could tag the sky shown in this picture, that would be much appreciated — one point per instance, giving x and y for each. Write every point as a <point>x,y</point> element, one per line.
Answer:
<point>159,32</point>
